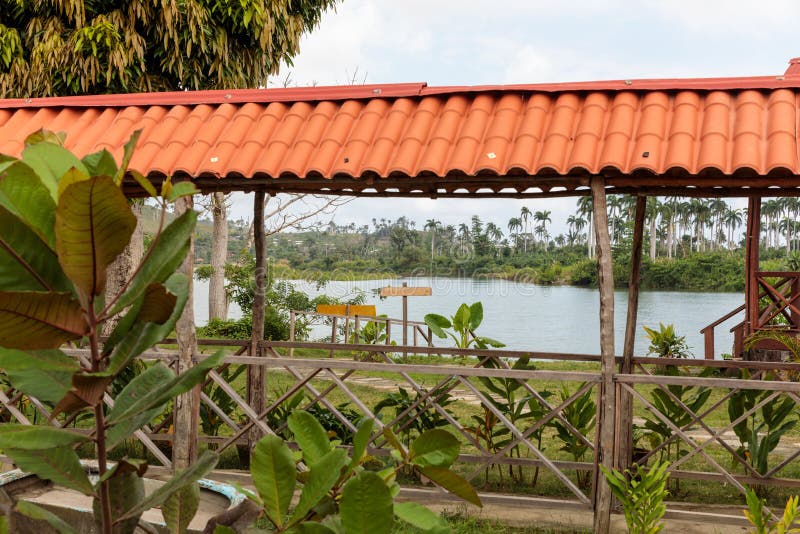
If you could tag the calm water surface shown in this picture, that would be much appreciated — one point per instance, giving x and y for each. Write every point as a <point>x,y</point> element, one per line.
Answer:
<point>541,318</point>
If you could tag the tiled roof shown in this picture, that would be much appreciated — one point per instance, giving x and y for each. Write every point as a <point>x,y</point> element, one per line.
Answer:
<point>416,135</point>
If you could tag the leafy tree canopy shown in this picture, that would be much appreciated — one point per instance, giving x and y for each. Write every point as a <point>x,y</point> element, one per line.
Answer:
<point>72,47</point>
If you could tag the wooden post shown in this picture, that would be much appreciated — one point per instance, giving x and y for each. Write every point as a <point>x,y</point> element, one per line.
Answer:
<point>388,331</point>
<point>752,243</point>
<point>292,320</point>
<point>357,328</point>
<point>187,406</point>
<point>604,449</point>
<point>347,323</point>
<point>405,323</point>
<point>625,401</point>
<point>334,325</point>
<point>256,374</point>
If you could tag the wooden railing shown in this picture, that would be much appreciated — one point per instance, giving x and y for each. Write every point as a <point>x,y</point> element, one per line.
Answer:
<point>347,387</point>
<point>782,299</point>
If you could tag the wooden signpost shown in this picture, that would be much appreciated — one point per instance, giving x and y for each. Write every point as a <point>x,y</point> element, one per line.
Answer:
<point>405,292</point>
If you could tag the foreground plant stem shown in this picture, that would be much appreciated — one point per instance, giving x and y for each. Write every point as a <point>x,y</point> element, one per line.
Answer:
<point>100,428</point>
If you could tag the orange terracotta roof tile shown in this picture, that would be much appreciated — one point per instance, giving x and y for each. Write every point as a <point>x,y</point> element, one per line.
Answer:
<point>635,128</point>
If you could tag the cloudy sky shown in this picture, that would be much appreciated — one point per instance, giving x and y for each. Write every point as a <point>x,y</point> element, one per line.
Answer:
<point>471,42</point>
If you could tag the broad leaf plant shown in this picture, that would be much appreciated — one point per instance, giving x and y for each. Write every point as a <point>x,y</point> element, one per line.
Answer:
<point>63,221</point>
<point>337,493</point>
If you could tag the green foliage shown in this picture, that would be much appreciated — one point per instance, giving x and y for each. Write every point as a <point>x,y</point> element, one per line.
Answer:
<point>66,48</point>
<point>337,493</point>
<point>760,432</point>
<point>670,403</point>
<point>92,224</point>
<point>415,415</point>
<point>516,404</point>
<point>758,516</point>
<point>641,493</point>
<point>665,343</point>
<point>582,415</point>
<point>463,325</point>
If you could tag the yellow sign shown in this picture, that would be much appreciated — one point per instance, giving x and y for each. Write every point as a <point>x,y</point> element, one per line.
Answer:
<point>405,291</point>
<point>347,309</point>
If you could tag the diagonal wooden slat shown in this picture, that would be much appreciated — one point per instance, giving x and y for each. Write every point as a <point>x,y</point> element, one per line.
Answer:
<point>516,432</point>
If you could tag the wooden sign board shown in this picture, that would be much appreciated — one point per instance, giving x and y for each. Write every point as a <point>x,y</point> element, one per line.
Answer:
<point>406,292</point>
<point>347,309</point>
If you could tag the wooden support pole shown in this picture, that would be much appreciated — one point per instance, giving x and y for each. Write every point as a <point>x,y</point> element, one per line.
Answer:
<point>405,323</point>
<point>292,321</point>
<point>752,243</point>
<point>625,401</point>
<point>256,374</point>
<point>187,406</point>
<point>604,451</point>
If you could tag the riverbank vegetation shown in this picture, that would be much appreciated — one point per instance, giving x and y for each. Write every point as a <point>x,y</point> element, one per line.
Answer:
<point>690,244</point>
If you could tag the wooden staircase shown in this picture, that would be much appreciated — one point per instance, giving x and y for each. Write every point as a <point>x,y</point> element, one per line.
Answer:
<point>777,308</point>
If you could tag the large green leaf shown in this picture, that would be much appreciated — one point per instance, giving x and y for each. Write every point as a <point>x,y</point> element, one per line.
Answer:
<point>361,441</point>
<point>28,437</point>
<point>461,318</point>
<point>200,468</point>
<point>26,262</point>
<point>167,391</point>
<point>126,489</point>
<point>51,162</point>
<point>153,379</point>
<point>38,320</point>
<point>59,464</point>
<point>421,517</point>
<point>311,527</point>
<point>435,447</point>
<point>23,193</point>
<point>33,511</point>
<point>321,479</point>
<point>310,436</point>
<point>127,154</point>
<point>437,324</point>
<point>274,476</point>
<point>101,164</point>
<point>453,483</point>
<point>93,225</point>
<point>44,374</point>
<point>131,337</point>
<point>179,509</point>
<point>475,315</point>
<point>162,259</point>
<point>366,506</point>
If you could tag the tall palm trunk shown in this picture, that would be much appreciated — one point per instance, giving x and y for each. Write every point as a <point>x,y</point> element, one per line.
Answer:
<point>217,299</point>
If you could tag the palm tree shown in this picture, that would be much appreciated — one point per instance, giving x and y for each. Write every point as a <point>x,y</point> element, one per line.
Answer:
<point>733,220</point>
<point>432,225</point>
<point>525,215</point>
<point>542,217</point>
<point>652,211</point>
<point>493,232</point>
<point>585,211</point>
<point>514,227</point>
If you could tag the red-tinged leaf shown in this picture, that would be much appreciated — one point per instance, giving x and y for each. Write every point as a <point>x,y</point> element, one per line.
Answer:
<point>87,391</point>
<point>33,320</point>
<point>157,306</point>
<point>94,223</point>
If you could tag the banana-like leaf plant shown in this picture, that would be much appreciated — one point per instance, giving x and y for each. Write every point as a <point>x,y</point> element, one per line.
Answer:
<point>463,325</point>
<point>63,221</point>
